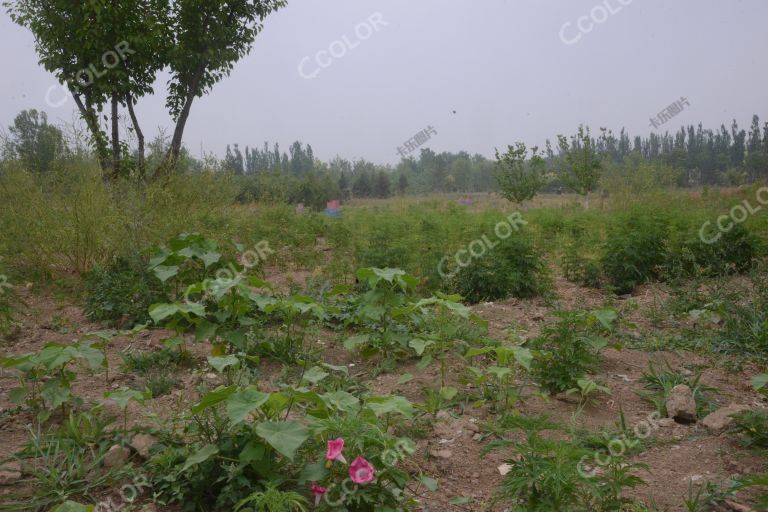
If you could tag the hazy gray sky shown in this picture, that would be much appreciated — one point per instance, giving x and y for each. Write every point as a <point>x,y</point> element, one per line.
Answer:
<point>512,70</point>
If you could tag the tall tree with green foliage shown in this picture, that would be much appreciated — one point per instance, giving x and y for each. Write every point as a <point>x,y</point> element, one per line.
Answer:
<point>582,165</point>
<point>518,177</point>
<point>208,39</point>
<point>108,54</point>
<point>35,142</point>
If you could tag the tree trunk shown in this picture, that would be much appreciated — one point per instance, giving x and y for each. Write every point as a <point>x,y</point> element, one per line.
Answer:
<point>92,121</point>
<point>172,157</point>
<point>141,165</point>
<point>115,138</point>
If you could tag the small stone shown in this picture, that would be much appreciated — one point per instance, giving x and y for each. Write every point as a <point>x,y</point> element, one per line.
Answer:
<point>9,477</point>
<point>666,422</point>
<point>116,456</point>
<point>736,507</point>
<point>720,420</point>
<point>441,454</point>
<point>472,427</point>
<point>504,469</point>
<point>680,404</point>
<point>142,443</point>
<point>477,437</point>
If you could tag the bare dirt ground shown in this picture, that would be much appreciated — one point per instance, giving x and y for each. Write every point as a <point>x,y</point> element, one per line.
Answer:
<point>677,455</point>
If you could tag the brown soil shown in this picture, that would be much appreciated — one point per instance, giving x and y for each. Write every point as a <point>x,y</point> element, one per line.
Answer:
<point>677,454</point>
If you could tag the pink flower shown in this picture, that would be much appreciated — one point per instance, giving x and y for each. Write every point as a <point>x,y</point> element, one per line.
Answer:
<point>361,471</point>
<point>318,491</point>
<point>335,446</point>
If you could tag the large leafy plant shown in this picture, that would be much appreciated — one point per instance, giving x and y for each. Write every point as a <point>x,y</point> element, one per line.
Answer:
<point>46,376</point>
<point>568,349</point>
<point>240,443</point>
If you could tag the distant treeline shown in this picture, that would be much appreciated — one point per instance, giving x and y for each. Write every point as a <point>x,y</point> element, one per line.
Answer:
<point>693,156</point>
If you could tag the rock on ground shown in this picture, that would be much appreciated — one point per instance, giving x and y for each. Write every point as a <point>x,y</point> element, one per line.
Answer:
<point>680,404</point>
<point>116,456</point>
<point>720,420</point>
<point>142,443</point>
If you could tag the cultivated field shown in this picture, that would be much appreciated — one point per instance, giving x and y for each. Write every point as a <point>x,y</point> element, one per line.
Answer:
<point>166,349</point>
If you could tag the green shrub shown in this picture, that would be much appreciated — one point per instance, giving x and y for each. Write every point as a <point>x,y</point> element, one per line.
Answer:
<point>551,474</point>
<point>753,426</point>
<point>122,293</point>
<point>568,349</point>
<point>635,250</point>
<point>580,269</point>
<point>733,252</point>
<point>512,269</point>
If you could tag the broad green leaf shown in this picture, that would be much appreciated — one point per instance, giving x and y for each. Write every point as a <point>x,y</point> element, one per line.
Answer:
<point>390,404</point>
<point>341,400</point>
<point>284,436</point>
<point>474,352</point>
<point>314,375</point>
<point>54,355</point>
<point>245,401</point>
<point>425,361</point>
<point>18,395</point>
<point>205,330</point>
<point>313,473</point>
<point>448,392</point>
<point>606,317</point>
<point>223,362</point>
<point>253,451</point>
<point>460,500</point>
<point>597,342</point>
<point>499,371</point>
<point>94,356</point>
<point>212,398</point>
<point>406,377</point>
<point>523,356</point>
<point>201,455</point>
<point>55,394</point>
<point>429,483</point>
<point>420,345</point>
<point>164,273</point>
<point>122,396</point>
<point>760,381</point>
<point>173,342</point>
<point>353,341</point>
